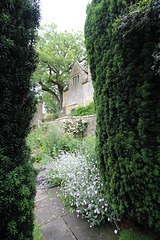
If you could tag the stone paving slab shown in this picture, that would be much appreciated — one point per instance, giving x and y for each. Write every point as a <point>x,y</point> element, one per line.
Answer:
<point>41,195</point>
<point>82,230</point>
<point>56,223</point>
<point>53,191</point>
<point>49,209</point>
<point>42,215</point>
<point>56,230</point>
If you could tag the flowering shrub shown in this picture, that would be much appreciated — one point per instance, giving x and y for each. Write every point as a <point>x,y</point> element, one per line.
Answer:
<point>80,185</point>
<point>78,128</point>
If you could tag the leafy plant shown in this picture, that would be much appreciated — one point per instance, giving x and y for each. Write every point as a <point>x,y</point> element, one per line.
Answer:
<point>49,140</point>
<point>83,111</point>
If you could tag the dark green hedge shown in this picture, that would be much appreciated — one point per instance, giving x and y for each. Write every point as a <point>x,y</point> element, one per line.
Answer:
<point>18,23</point>
<point>122,42</point>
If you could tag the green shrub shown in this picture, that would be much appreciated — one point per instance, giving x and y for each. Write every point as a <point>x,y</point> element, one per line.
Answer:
<point>83,111</point>
<point>51,116</point>
<point>130,235</point>
<point>17,193</point>
<point>123,50</point>
<point>49,140</point>
<point>18,24</point>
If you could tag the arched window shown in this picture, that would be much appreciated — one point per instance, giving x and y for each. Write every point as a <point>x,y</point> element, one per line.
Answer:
<point>73,111</point>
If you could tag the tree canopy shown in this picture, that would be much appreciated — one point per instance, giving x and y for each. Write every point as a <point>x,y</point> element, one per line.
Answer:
<point>57,52</point>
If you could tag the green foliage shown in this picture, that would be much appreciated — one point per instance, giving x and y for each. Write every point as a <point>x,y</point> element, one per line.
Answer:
<point>18,22</point>
<point>83,111</point>
<point>67,204</point>
<point>130,235</point>
<point>49,103</point>
<point>122,42</point>
<point>17,199</point>
<point>57,52</point>
<point>78,128</point>
<point>50,116</point>
<point>49,140</point>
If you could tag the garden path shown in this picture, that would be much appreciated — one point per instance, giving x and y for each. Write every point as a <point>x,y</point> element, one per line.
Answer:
<point>57,223</point>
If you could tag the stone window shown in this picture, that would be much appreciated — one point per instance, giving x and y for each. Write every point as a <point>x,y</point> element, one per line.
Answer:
<point>76,79</point>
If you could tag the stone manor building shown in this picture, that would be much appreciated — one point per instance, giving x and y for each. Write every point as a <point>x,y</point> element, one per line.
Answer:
<point>80,90</point>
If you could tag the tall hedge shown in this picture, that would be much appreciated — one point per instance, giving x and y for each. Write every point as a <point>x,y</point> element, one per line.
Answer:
<point>123,45</point>
<point>18,23</point>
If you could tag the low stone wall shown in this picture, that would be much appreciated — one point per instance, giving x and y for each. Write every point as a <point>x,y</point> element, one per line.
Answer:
<point>90,119</point>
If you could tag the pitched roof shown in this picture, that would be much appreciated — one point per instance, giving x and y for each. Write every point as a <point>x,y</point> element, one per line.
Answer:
<point>85,69</point>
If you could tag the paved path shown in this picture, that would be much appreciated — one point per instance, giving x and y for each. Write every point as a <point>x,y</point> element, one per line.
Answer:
<point>56,223</point>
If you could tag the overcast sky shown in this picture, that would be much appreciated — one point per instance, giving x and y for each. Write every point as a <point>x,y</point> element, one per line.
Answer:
<point>66,14</point>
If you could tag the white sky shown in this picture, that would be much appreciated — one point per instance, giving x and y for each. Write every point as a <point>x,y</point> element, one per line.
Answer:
<point>66,14</point>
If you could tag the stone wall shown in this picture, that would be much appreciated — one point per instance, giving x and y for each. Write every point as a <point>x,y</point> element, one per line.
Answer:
<point>91,119</point>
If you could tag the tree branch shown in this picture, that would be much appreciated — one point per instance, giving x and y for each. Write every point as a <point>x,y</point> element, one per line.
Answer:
<point>54,69</point>
<point>45,88</point>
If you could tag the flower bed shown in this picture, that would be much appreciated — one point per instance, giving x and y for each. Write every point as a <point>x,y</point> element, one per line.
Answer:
<point>80,186</point>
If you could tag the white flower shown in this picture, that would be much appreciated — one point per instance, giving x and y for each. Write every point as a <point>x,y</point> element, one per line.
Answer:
<point>115,231</point>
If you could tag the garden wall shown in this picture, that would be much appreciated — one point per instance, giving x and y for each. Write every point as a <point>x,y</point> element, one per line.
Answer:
<point>91,119</point>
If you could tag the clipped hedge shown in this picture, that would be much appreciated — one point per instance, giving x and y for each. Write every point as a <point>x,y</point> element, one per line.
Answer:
<point>122,42</point>
<point>18,24</point>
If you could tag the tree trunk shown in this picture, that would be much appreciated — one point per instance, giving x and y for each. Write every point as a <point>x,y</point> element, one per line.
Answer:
<point>61,102</point>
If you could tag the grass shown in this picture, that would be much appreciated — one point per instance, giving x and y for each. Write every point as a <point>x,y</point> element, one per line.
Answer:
<point>36,233</point>
<point>130,235</point>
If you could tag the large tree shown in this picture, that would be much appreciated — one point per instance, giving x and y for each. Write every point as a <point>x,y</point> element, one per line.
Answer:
<point>18,24</point>
<point>57,52</point>
<point>122,42</point>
